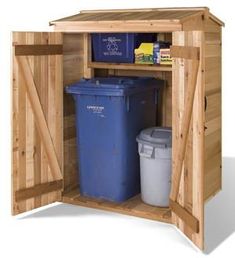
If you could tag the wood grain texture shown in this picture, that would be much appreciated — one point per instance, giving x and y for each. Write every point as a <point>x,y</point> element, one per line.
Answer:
<point>73,71</point>
<point>117,26</point>
<point>194,23</point>
<point>213,114</point>
<point>147,9</point>
<point>198,144</point>
<point>185,52</point>
<point>165,109</point>
<point>38,50</point>
<point>185,127</point>
<point>178,87</point>
<point>186,193</point>
<point>133,206</point>
<point>212,38</point>
<point>72,57</point>
<point>138,20</point>
<point>185,216</point>
<point>213,109</point>
<point>37,111</point>
<point>149,15</point>
<point>88,72</point>
<point>190,195</point>
<point>212,26</point>
<point>183,15</point>
<point>37,190</point>
<point>213,176</point>
<point>30,164</point>
<point>140,67</point>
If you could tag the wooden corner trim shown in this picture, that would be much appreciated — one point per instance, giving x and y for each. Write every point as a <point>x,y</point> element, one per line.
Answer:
<point>38,190</point>
<point>38,50</point>
<point>186,216</point>
<point>185,52</point>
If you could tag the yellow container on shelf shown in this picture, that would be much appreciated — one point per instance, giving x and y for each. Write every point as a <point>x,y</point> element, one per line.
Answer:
<point>144,54</point>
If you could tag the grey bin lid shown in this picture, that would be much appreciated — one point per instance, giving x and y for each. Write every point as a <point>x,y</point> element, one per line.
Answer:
<point>156,136</point>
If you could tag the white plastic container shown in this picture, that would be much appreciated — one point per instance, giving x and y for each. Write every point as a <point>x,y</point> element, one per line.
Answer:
<point>155,145</point>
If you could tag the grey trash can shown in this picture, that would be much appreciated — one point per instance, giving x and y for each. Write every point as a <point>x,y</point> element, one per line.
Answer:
<point>155,145</point>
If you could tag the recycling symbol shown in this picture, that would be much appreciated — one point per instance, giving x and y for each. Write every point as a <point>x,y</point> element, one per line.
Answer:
<point>112,45</point>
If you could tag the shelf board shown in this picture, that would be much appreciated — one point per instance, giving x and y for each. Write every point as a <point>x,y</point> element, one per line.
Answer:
<point>126,66</point>
<point>134,206</point>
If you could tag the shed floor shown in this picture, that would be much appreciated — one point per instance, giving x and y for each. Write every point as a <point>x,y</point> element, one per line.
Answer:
<point>134,206</point>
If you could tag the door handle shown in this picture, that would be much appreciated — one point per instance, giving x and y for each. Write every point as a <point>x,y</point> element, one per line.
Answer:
<point>205,103</point>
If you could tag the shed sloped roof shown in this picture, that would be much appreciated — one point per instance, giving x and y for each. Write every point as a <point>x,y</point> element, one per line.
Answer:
<point>169,19</point>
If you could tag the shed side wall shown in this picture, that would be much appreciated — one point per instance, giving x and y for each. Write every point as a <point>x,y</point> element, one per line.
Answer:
<point>213,155</point>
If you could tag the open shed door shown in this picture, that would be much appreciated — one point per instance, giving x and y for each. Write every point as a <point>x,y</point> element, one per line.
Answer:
<point>37,120</point>
<point>186,198</point>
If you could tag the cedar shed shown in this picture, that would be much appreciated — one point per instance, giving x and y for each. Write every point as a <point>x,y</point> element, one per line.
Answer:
<point>44,164</point>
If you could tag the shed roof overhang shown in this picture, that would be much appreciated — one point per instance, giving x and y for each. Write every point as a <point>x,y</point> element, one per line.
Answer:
<point>133,20</point>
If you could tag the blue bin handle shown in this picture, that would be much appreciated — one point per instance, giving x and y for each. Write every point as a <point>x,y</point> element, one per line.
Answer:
<point>126,80</point>
<point>127,100</point>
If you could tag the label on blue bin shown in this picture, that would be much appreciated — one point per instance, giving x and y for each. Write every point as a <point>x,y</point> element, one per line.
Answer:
<point>112,46</point>
<point>95,109</point>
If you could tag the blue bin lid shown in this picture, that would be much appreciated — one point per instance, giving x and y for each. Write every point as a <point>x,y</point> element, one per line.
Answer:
<point>114,86</point>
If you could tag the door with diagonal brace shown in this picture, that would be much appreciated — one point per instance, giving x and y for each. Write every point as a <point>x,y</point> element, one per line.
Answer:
<point>186,198</point>
<point>37,119</point>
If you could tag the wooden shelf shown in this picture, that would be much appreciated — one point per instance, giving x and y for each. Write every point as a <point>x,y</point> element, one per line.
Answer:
<point>133,206</point>
<point>125,66</point>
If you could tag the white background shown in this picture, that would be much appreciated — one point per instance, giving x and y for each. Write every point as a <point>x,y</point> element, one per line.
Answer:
<point>70,231</point>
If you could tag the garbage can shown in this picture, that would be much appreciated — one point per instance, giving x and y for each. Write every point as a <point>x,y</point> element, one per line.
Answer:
<point>154,145</point>
<point>110,113</point>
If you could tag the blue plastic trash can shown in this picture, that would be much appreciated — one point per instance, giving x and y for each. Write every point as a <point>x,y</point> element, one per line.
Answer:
<point>110,113</point>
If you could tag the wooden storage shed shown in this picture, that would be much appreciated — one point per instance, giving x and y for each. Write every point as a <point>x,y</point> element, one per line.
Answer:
<point>44,164</point>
